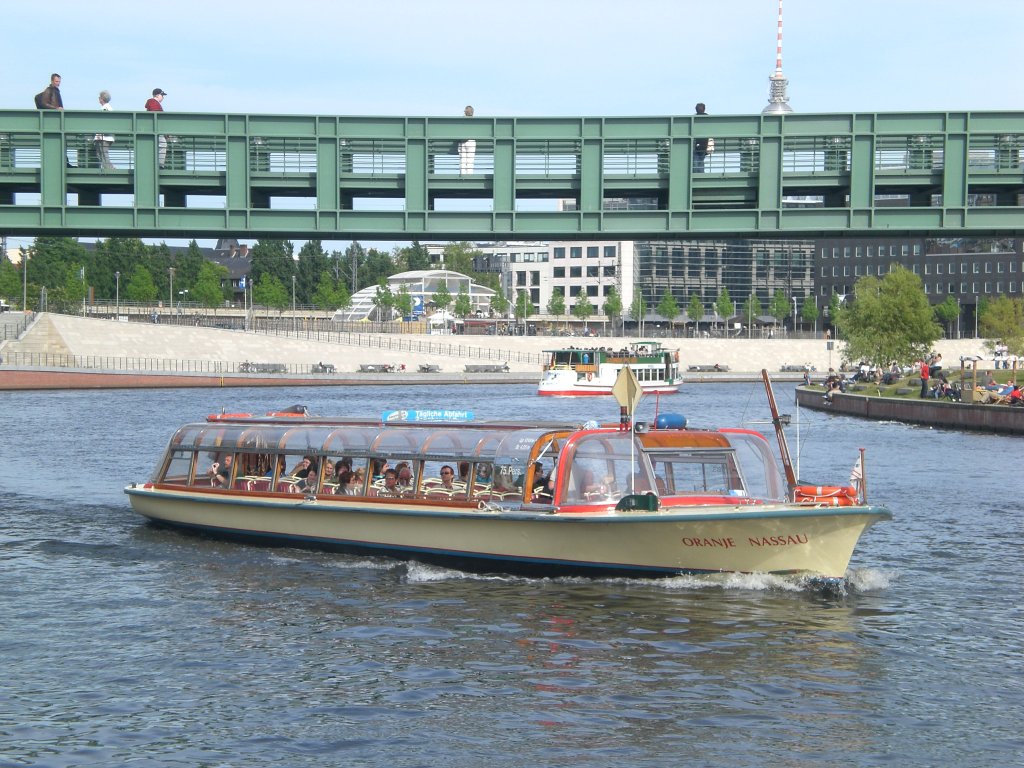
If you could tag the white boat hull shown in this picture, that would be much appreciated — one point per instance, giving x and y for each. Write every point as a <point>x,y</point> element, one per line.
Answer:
<point>778,538</point>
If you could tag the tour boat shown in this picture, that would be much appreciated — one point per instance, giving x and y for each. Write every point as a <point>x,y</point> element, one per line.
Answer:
<point>536,498</point>
<point>593,371</point>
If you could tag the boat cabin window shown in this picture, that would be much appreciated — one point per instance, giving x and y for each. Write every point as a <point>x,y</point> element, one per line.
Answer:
<point>760,471</point>
<point>697,471</point>
<point>179,468</point>
<point>603,467</point>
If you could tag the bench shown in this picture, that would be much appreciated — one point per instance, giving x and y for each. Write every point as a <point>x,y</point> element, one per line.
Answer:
<point>323,368</point>
<point>248,367</point>
<point>791,368</point>
<point>707,368</point>
<point>376,368</point>
<point>487,368</point>
<point>431,368</point>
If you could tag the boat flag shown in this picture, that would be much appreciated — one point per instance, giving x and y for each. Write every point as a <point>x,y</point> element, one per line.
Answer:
<point>857,477</point>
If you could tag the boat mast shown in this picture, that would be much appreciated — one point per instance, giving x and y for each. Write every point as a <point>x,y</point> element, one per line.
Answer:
<point>787,464</point>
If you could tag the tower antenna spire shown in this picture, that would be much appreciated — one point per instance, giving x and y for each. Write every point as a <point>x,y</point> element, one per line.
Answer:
<point>778,101</point>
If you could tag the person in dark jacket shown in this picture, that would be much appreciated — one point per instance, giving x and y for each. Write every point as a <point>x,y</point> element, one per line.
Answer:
<point>51,95</point>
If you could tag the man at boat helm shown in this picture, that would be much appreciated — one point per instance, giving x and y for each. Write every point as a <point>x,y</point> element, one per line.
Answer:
<point>220,473</point>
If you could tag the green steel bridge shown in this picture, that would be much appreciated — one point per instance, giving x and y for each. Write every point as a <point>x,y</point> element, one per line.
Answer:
<point>404,178</point>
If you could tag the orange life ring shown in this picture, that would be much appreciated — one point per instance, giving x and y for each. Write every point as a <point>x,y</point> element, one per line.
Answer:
<point>590,377</point>
<point>833,495</point>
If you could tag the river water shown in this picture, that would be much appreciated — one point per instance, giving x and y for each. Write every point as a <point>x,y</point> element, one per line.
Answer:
<point>127,644</point>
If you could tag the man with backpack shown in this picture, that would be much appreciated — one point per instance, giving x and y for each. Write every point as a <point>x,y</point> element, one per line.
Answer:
<point>49,97</point>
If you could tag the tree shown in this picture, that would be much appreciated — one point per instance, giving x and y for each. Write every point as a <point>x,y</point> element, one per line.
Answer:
<point>809,310</point>
<point>1003,320</point>
<point>414,257</point>
<point>140,286</point>
<point>556,305</point>
<point>10,280</point>
<point>780,306</point>
<point>889,319</point>
<point>724,306</point>
<point>458,257</point>
<point>272,257</point>
<point>832,310</point>
<point>668,308</point>
<point>695,310</point>
<point>208,288</point>
<point>499,305</point>
<point>442,297</point>
<point>376,266</point>
<point>752,310</point>
<point>638,310</point>
<point>384,301</point>
<point>313,260</point>
<point>613,306</point>
<point>403,301</point>
<point>270,292</point>
<point>463,306</point>
<point>582,309</point>
<point>331,292</point>
<point>946,312</point>
<point>524,307</point>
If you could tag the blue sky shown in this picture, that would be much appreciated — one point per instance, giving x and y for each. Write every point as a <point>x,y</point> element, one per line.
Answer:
<point>518,57</point>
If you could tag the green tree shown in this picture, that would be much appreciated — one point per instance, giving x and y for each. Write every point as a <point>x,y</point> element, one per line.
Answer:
<point>556,304</point>
<point>582,309</point>
<point>613,306</point>
<point>946,312</point>
<point>208,289</point>
<point>638,310</point>
<point>10,280</point>
<point>140,286</point>
<point>442,297</point>
<point>809,311</point>
<point>331,292</point>
<point>499,304</point>
<point>1002,319</point>
<point>458,257</point>
<point>724,305</point>
<point>403,301</point>
<point>780,307</point>
<point>353,260</point>
<point>668,308</point>
<point>695,310</point>
<point>270,292</point>
<point>889,319</point>
<point>312,262</point>
<point>832,310</point>
<point>274,258</point>
<point>524,307</point>
<point>384,301</point>
<point>414,257</point>
<point>752,310</point>
<point>463,306</point>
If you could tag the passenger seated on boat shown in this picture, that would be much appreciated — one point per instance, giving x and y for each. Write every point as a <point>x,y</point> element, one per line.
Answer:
<point>349,484</point>
<point>307,484</point>
<point>302,468</point>
<point>405,478</point>
<point>546,493</point>
<point>389,487</point>
<point>464,472</point>
<point>220,472</point>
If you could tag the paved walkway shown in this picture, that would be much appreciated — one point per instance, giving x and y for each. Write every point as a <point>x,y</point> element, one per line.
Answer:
<point>109,338</point>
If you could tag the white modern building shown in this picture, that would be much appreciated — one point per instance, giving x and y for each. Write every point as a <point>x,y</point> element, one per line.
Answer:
<point>421,284</point>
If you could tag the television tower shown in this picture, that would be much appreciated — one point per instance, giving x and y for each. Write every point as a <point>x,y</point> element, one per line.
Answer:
<point>778,101</point>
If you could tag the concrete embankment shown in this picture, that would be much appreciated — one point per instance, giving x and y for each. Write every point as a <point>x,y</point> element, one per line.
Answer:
<point>163,355</point>
<point>934,413</point>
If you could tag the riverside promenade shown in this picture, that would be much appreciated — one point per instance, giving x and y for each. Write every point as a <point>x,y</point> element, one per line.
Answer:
<point>65,351</point>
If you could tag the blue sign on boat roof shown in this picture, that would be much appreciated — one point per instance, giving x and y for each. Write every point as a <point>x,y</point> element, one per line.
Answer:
<point>430,414</point>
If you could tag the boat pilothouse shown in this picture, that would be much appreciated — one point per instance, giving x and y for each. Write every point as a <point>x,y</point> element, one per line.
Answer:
<point>593,371</point>
<point>537,498</point>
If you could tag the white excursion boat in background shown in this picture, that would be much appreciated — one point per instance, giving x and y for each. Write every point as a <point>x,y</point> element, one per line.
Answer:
<point>541,499</point>
<point>593,371</point>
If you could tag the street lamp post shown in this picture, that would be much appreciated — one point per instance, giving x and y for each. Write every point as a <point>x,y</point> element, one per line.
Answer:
<point>24,281</point>
<point>183,293</point>
<point>117,295</point>
<point>794,316</point>
<point>294,327</point>
<point>170,292</point>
